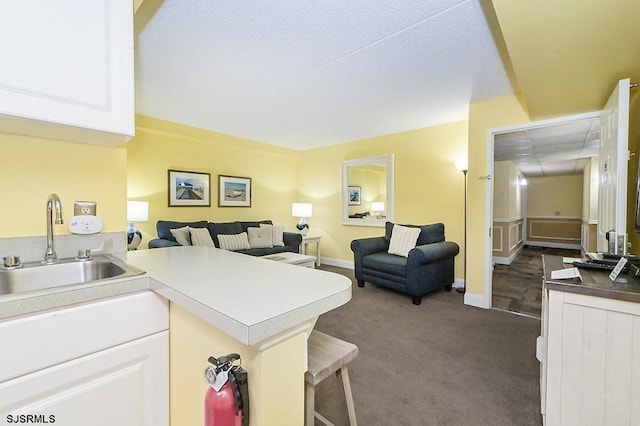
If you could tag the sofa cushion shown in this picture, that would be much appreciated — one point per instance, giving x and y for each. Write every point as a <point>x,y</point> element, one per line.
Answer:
<point>234,242</point>
<point>163,227</point>
<point>260,237</point>
<point>403,239</point>
<point>224,228</point>
<point>182,235</point>
<point>429,234</point>
<point>201,237</point>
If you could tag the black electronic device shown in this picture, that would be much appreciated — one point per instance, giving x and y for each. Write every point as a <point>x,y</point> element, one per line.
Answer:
<point>601,266</point>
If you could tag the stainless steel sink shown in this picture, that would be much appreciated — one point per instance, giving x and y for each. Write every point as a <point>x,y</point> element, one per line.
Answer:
<point>36,276</point>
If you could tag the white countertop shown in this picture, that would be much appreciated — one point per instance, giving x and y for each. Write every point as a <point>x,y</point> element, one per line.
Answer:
<point>249,298</point>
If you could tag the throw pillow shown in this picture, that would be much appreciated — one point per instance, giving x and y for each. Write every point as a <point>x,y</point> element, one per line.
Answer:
<point>403,239</point>
<point>181,235</point>
<point>260,237</point>
<point>278,234</point>
<point>201,237</point>
<point>234,242</point>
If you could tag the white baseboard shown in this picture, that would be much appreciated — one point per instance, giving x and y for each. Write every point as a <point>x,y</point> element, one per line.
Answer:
<point>507,260</point>
<point>458,283</point>
<point>477,300</point>
<point>340,263</point>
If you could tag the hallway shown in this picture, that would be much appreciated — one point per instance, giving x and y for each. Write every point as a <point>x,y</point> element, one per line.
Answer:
<point>518,287</point>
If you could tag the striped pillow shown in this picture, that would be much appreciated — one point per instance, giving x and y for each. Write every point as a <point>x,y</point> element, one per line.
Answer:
<point>278,234</point>
<point>234,242</point>
<point>403,239</point>
<point>201,237</point>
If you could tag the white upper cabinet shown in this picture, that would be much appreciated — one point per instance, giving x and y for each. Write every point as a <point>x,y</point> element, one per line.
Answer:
<point>67,69</point>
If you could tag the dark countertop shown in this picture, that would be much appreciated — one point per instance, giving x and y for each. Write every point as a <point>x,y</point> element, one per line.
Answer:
<point>594,282</point>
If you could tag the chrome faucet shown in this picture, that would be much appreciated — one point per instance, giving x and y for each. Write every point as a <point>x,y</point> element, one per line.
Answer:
<point>50,256</point>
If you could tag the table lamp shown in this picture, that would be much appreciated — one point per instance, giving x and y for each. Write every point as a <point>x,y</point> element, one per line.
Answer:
<point>377,207</point>
<point>137,211</point>
<point>303,211</point>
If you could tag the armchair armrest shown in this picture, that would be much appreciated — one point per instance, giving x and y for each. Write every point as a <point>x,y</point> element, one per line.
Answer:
<point>161,242</point>
<point>430,253</point>
<point>364,246</point>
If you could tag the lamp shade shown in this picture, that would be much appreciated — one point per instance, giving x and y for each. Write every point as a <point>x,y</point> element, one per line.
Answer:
<point>377,206</point>
<point>137,211</point>
<point>301,209</point>
<point>462,165</point>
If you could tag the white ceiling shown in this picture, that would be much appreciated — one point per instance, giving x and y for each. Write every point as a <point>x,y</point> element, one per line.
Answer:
<point>304,74</point>
<point>559,149</point>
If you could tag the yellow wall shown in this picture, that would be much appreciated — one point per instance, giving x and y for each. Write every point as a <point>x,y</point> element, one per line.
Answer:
<point>31,168</point>
<point>484,116</point>
<point>555,196</point>
<point>160,146</point>
<point>428,187</point>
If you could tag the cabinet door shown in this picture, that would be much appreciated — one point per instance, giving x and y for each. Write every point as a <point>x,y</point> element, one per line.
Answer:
<point>67,69</point>
<point>124,385</point>
<point>42,340</point>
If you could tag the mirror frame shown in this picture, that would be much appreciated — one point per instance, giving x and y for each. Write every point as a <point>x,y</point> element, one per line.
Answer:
<point>386,160</point>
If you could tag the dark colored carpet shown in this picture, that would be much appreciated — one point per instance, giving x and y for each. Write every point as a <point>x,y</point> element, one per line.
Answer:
<point>439,363</point>
<point>518,287</point>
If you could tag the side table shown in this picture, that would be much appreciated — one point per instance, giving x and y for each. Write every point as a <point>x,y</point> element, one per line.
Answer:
<point>306,240</point>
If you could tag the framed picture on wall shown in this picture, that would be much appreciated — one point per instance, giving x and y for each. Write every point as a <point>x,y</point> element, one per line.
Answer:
<point>354,195</point>
<point>189,189</point>
<point>234,191</point>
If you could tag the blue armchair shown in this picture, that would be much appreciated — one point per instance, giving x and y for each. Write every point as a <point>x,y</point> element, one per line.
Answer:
<point>428,267</point>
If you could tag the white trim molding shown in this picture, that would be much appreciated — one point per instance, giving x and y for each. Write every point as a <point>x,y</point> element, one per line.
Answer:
<point>477,300</point>
<point>340,263</point>
<point>503,220</point>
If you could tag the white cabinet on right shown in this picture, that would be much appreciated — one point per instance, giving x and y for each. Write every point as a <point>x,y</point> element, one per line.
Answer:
<point>591,360</point>
<point>67,70</point>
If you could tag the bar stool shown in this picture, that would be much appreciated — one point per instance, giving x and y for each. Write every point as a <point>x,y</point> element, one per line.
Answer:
<point>328,355</point>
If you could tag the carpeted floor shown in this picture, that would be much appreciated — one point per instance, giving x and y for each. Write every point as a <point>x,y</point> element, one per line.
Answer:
<point>518,287</point>
<point>439,363</point>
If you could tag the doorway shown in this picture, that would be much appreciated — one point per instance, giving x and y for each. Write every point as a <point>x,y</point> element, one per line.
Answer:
<point>547,148</point>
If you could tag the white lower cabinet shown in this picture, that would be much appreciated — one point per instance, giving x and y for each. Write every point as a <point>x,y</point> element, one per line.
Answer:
<point>124,385</point>
<point>590,354</point>
<point>121,384</point>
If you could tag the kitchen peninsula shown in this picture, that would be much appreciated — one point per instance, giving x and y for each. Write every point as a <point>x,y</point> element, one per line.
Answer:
<point>222,302</point>
<point>218,302</point>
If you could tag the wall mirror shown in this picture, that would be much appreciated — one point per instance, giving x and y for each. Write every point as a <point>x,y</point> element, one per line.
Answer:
<point>367,191</point>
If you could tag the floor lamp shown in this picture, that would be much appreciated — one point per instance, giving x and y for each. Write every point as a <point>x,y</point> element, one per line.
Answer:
<point>464,168</point>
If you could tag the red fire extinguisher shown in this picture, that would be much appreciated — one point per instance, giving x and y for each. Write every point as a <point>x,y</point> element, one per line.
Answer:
<point>226,402</point>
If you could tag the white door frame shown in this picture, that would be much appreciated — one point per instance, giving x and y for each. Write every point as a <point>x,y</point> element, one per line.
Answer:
<point>488,279</point>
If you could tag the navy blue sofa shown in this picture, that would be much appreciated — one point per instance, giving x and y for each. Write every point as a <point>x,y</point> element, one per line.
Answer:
<point>165,238</point>
<point>428,267</point>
